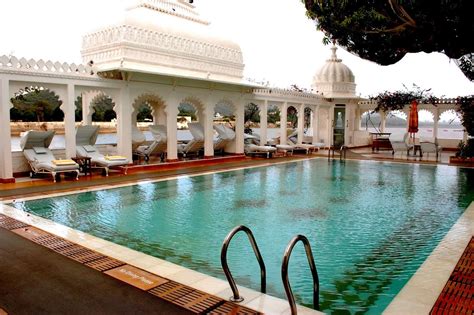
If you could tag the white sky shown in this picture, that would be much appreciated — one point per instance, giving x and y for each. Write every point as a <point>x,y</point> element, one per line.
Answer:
<point>279,43</point>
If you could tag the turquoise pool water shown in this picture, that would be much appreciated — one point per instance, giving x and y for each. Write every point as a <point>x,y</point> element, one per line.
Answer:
<point>370,224</point>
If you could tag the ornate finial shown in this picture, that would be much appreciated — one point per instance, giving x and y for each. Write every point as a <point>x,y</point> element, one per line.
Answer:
<point>334,55</point>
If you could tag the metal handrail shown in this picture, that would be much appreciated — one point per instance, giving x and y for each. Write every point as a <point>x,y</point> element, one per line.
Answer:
<point>342,152</point>
<point>263,278</point>
<point>312,265</point>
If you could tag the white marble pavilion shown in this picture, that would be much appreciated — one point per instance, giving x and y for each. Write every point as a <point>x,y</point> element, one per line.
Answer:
<point>163,53</point>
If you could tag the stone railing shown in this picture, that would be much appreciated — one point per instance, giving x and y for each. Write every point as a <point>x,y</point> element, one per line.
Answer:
<point>11,63</point>
<point>452,101</point>
<point>287,93</point>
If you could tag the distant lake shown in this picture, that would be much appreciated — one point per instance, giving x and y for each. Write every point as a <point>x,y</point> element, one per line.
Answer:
<point>111,138</point>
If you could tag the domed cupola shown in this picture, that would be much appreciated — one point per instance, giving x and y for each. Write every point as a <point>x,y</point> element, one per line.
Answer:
<point>164,37</point>
<point>335,79</point>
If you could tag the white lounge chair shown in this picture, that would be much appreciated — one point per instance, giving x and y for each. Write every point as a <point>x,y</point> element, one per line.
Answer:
<point>225,136</point>
<point>86,137</point>
<point>196,144</point>
<point>40,158</point>
<point>138,138</point>
<point>253,147</point>
<point>430,146</point>
<point>305,147</point>
<point>158,146</point>
<point>400,143</point>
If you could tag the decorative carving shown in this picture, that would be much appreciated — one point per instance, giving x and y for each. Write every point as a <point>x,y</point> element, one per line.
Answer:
<point>11,63</point>
<point>143,46</point>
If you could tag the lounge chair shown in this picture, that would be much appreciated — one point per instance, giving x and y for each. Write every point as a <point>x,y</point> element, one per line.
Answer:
<point>225,136</point>
<point>196,144</point>
<point>158,146</point>
<point>253,147</point>
<point>138,138</point>
<point>42,161</point>
<point>86,137</point>
<point>430,146</point>
<point>305,147</point>
<point>400,143</point>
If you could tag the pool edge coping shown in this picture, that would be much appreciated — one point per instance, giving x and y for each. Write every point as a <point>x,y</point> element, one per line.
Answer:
<point>255,300</point>
<point>389,310</point>
<point>419,294</point>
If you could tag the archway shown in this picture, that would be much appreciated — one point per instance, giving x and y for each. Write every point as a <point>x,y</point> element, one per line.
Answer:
<point>36,108</point>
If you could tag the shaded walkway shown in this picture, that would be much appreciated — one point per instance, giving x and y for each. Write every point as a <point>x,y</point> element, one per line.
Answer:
<point>35,280</point>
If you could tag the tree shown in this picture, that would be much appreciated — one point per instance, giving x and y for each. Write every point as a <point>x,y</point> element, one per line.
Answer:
<point>384,31</point>
<point>36,103</point>
<point>252,113</point>
<point>144,113</point>
<point>104,109</point>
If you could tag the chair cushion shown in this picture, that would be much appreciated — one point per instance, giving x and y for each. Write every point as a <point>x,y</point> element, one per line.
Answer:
<point>39,150</point>
<point>89,148</point>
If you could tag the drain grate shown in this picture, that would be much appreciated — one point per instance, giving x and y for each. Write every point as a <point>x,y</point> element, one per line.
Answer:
<point>104,264</point>
<point>86,256</point>
<point>10,223</point>
<point>456,297</point>
<point>198,302</point>
<point>170,291</point>
<point>53,242</point>
<point>186,297</point>
<point>231,308</point>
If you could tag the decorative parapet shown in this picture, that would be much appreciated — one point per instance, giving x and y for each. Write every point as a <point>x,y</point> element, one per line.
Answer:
<point>13,64</point>
<point>155,41</point>
<point>179,9</point>
<point>436,102</point>
<point>277,92</point>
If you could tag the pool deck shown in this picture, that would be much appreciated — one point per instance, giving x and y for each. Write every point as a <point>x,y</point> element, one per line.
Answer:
<point>417,297</point>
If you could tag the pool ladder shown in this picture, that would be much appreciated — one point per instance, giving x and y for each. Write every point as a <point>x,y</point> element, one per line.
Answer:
<point>284,267</point>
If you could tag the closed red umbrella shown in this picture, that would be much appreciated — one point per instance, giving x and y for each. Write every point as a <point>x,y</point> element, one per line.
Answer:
<point>413,120</point>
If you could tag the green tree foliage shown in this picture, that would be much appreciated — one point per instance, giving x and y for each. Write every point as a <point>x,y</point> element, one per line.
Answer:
<point>36,104</point>
<point>273,115</point>
<point>252,113</point>
<point>383,31</point>
<point>466,111</point>
<point>103,109</point>
<point>292,116</point>
<point>144,113</point>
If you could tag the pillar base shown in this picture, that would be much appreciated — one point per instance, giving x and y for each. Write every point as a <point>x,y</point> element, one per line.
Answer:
<point>7,180</point>
<point>208,156</point>
<point>172,160</point>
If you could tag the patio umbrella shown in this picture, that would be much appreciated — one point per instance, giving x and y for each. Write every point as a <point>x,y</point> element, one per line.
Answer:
<point>413,120</point>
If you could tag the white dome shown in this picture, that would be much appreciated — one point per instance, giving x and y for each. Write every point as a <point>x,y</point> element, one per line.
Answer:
<point>164,37</point>
<point>334,79</point>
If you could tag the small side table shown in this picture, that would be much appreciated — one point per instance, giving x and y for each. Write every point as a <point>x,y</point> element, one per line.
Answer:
<point>417,148</point>
<point>84,164</point>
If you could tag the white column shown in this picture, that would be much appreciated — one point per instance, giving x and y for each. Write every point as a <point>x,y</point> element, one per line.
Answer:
<point>283,122</point>
<point>300,124</point>
<point>383,117</point>
<point>6,167</point>
<point>435,125</point>
<point>171,110</point>
<point>357,119</point>
<point>315,123</point>
<point>208,118</point>
<point>123,108</point>
<point>69,109</point>
<point>331,126</point>
<point>263,122</point>
<point>239,126</point>
<point>86,107</point>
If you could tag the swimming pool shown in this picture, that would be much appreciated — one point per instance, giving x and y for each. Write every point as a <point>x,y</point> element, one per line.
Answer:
<point>370,224</point>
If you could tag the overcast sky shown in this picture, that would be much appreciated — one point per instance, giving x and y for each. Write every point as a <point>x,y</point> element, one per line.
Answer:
<point>279,43</point>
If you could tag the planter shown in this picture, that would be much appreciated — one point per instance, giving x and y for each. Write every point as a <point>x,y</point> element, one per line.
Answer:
<point>461,161</point>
